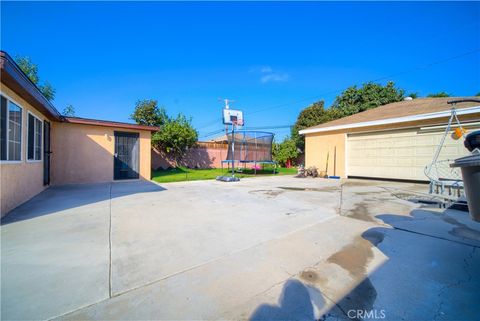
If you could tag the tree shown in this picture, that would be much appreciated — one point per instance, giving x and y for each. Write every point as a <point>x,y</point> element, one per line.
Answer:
<point>312,115</point>
<point>284,151</point>
<point>439,95</point>
<point>47,90</point>
<point>28,68</point>
<point>31,71</point>
<point>175,137</point>
<point>69,111</point>
<point>414,95</point>
<point>148,113</point>
<point>354,100</point>
<point>478,94</point>
<point>351,101</point>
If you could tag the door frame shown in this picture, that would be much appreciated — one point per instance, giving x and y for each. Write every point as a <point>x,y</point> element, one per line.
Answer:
<point>47,146</point>
<point>135,135</point>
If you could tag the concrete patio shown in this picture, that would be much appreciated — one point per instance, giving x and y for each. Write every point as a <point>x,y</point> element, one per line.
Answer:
<point>276,248</point>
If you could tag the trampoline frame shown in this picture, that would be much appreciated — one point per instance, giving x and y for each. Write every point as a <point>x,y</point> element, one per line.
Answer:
<point>245,162</point>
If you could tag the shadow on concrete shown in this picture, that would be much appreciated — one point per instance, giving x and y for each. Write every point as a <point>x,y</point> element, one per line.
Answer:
<point>297,302</point>
<point>61,198</point>
<point>452,225</point>
<point>430,273</point>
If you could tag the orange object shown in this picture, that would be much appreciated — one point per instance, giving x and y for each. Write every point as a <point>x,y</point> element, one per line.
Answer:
<point>458,132</point>
<point>288,164</point>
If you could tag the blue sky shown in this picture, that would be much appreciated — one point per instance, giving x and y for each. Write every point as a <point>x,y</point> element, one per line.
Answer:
<point>272,58</point>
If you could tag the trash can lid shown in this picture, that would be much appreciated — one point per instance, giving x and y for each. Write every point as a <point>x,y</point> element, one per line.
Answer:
<point>467,161</point>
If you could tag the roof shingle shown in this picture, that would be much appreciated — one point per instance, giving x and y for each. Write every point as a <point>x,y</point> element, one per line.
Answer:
<point>400,109</point>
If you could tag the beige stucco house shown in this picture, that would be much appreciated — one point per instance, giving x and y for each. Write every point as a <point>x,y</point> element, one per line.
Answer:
<point>40,147</point>
<point>394,141</point>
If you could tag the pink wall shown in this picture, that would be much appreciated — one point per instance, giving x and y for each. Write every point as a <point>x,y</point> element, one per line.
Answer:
<point>205,155</point>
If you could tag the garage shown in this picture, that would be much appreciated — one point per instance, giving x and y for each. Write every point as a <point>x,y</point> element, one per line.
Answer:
<point>393,141</point>
<point>398,154</point>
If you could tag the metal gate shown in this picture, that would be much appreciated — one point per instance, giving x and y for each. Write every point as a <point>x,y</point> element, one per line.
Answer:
<point>126,157</point>
<point>46,153</point>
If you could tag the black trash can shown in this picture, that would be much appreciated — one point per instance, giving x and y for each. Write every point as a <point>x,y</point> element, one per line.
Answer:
<point>472,141</point>
<point>470,166</point>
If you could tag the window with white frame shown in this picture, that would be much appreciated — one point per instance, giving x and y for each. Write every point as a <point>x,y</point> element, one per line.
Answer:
<point>10,131</point>
<point>34,150</point>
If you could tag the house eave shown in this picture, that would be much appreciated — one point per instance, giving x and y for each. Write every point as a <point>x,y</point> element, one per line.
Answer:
<point>397,120</point>
<point>13,78</point>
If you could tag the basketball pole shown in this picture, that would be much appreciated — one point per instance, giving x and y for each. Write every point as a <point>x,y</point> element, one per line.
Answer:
<point>233,149</point>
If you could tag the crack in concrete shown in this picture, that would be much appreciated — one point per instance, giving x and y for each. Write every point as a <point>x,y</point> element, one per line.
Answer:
<point>341,199</point>
<point>326,315</point>
<point>433,236</point>
<point>110,246</point>
<point>290,275</point>
<point>457,283</point>
<point>195,267</point>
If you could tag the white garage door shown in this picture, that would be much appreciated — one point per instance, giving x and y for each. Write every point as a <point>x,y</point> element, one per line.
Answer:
<point>397,154</point>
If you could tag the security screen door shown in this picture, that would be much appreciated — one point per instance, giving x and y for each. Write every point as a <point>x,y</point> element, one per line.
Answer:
<point>46,152</point>
<point>126,157</point>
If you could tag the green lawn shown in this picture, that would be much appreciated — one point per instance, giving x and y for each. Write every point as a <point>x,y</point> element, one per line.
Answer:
<point>187,174</point>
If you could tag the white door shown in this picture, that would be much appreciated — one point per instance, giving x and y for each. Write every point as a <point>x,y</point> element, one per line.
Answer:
<point>399,154</point>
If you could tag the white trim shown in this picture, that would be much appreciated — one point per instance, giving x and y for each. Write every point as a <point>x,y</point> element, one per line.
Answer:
<point>22,126</point>
<point>10,98</point>
<point>420,117</point>
<point>465,124</point>
<point>345,137</point>
<point>5,162</point>
<point>41,140</point>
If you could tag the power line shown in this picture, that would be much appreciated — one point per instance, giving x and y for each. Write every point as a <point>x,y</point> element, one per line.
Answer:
<point>419,67</point>
<point>210,123</point>
<point>278,127</point>
<point>213,133</point>
<point>269,127</point>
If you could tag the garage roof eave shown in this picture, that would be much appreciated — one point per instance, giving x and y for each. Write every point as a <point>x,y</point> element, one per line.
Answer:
<point>107,123</point>
<point>420,117</point>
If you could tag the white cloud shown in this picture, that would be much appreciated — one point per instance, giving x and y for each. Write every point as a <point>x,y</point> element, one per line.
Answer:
<point>267,74</point>
<point>265,69</point>
<point>276,77</point>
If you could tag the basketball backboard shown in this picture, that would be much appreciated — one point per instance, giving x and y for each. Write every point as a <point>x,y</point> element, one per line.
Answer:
<point>231,116</point>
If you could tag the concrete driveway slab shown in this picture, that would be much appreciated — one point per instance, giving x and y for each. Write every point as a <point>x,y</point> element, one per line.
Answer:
<point>55,253</point>
<point>276,248</point>
<point>157,235</point>
<point>216,289</point>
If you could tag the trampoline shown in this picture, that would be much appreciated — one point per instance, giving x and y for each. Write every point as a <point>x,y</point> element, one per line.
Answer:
<point>248,146</point>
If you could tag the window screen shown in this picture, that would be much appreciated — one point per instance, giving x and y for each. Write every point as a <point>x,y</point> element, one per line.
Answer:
<point>11,131</point>
<point>31,136</point>
<point>14,132</point>
<point>34,138</point>
<point>3,130</point>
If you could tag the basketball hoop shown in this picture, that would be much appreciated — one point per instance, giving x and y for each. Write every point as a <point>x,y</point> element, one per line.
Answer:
<point>232,116</point>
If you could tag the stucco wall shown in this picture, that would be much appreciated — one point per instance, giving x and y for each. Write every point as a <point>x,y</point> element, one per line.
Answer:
<point>318,146</point>
<point>21,180</point>
<point>84,153</point>
<point>205,155</point>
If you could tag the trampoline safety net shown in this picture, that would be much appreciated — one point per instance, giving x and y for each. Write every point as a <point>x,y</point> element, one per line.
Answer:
<point>250,146</point>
